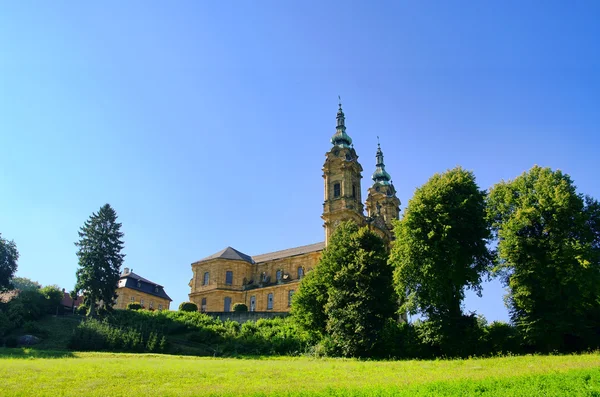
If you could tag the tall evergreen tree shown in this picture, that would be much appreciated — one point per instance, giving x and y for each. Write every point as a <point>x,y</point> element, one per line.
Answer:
<point>549,257</point>
<point>440,250</point>
<point>8,262</point>
<point>349,296</point>
<point>100,258</point>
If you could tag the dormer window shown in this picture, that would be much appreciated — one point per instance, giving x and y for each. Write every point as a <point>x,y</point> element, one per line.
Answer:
<point>156,289</point>
<point>139,284</point>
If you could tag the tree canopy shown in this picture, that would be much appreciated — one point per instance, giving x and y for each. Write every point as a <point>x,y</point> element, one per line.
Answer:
<point>100,258</point>
<point>548,256</point>
<point>349,296</point>
<point>8,262</point>
<point>23,283</point>
<point>440,247</point>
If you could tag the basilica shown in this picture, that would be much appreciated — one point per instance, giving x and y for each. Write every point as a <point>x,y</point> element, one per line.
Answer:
<point>267,282</point>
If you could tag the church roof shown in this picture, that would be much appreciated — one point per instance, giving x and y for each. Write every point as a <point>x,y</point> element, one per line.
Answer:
<point>305,249</point>
<point>231,254</point>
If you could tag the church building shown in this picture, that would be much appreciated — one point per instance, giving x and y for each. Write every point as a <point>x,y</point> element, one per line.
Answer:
<point>267,282</point>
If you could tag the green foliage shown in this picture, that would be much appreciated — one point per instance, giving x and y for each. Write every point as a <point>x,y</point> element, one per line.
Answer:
<point>100,258</point>
<point>549,257</point>
<point>8,262</point>
<point>82,309</point>
<point>188,307</point>
<point>23,283</point>
<point>349,296</point>
<point>439,251</point>
<point>53,296</point>
<point>240,307</point>
<point>11,341</point>
<point>101,335</point>
<point>5,324</point>
<point>134,306</point>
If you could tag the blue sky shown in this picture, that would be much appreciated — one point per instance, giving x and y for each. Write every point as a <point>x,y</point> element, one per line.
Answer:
<point>204,124</point>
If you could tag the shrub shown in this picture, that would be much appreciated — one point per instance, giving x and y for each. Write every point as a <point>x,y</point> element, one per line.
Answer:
<point>188,307</point>
<point>81,309</point>
<point>134,306</point>
<point>5,324</point>
<point>240,307</point>
<point>33,328</point>
<point>11,341</point>
<point>100,335</point>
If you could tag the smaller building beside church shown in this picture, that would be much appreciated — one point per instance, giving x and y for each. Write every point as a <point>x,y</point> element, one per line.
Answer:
<point>133,288</point>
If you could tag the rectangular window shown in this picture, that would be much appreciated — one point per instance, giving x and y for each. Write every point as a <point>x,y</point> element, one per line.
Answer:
<point>300,272</point>
<point>279,275</point>
<point>336,190</point>
<point>229,277</point>
<point>151,305</point>
<point>253,303</point>
<point>227,304</point>
<point>132,299</point>
<point>142,302</point>
<point>203,305</point>
<point>270,302</point>
<point>159,307</point>
<point>206,278</point>
<point>290,295</point>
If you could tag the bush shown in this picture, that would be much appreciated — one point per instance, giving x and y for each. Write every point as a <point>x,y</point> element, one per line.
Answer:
<point>188,307</point>
<point>240,307</point>
<point>97,335</point>
<point>52,299</point>
<point>81,309</point>
<point>11,341</point>
<point>134,306</point>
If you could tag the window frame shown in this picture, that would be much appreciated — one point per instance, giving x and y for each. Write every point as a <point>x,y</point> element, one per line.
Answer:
<point>229,277</point>
<point>337,188</point>
<point>206,278</point>
<point>270,301</point>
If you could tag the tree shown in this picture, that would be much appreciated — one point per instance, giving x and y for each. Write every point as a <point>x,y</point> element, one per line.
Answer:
<point>23,283</point>
<point>8,262</point>
<point>349,296</point>
<point>549,257</point>
<point>188,307</point>
<point>100,258</point>
<point>73,295</point>
<point>440,250</point>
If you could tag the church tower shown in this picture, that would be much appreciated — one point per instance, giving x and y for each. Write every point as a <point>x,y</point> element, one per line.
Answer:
<point>382,204</point>
<point>342,175</point>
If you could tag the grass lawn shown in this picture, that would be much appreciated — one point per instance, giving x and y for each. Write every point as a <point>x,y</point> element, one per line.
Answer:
<point>38,372</point>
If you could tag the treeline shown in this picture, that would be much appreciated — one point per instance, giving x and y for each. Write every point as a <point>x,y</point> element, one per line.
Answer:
<point>536,233</point>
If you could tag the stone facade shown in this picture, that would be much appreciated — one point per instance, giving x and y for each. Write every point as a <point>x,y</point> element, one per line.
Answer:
<point>266,283</point>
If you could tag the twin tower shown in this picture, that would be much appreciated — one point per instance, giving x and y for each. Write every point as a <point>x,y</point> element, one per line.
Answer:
<point>342,174</point>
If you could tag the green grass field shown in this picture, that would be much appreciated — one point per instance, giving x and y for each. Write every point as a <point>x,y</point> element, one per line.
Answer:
<point>37,372</point>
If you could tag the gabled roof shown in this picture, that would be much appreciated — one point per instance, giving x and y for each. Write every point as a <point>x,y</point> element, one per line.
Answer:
<point>305,249</point>
<point>147,286</point>
<point>229,253</point>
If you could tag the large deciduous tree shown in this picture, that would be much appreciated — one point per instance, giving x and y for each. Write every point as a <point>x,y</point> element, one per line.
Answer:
<point>349,296</point>
<point>100,258</point>
<point>548,256</point>
<point>24,283</point>
<point>441,249</point>
<point>8,262</point>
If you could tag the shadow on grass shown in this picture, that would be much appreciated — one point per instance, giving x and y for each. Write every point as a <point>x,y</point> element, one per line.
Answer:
<point>25,352</point>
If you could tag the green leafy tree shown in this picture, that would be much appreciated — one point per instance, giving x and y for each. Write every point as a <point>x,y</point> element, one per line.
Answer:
<point>73,295</point>
<point>8,262</point>
<point>440,251</point>
<point>548,256</point>
<point>100,258</point>
<point>188,307</point>
<point>53,297</point>
<point>349,296</point>
<point>23,283</point>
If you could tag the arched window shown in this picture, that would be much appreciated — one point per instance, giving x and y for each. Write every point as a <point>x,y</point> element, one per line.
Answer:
<point>300,272</point>
<point>337,191</point>
<point>253,303</point>
<point>206,278</point>
<point>227,304</point>
<point>270,302</point>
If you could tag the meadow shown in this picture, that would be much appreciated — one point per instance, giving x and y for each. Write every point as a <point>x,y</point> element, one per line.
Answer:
<point>25,372</point>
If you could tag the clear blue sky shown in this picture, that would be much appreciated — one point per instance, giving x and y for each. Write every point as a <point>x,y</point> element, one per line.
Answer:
<point>204,124</point>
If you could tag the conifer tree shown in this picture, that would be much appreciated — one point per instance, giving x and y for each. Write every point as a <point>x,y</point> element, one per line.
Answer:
<point>100,258</point>
<point>8,262</point>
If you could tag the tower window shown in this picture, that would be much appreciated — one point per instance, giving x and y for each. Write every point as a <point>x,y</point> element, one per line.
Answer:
<point>203,305</point>
<point>228,277</point>
<point>300,272</point>
<point>206,278</point>
<point>354,191</point>
<point>336,190</point>
<point>278,275</point>
<point>252,303</point>
<point>227,305</point>
<point>270,302</point>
